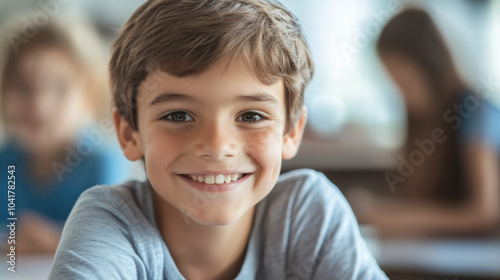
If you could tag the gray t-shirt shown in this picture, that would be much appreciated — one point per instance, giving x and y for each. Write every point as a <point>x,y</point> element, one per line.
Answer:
<point>304,229</point>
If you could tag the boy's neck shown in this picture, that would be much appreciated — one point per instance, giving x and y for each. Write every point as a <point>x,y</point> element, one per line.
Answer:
<point>200,251</point>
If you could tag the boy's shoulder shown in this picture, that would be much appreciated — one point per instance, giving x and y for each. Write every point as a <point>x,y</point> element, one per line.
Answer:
<point>306,216</point>
<point>303,199</point>
<point>115,219</point>
<point>132,198</point>
<point>304,186</point>
<point>304,179</point>
<point>124,191</point>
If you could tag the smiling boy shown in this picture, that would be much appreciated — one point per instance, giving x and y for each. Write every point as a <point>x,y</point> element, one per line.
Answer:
<point>209,94</point>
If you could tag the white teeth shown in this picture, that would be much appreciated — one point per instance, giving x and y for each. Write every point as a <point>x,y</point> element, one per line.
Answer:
<point>209,179</point>
<point>218,179</point>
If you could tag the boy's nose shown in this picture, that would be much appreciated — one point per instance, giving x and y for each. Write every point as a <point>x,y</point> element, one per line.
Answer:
<point>216,142</point>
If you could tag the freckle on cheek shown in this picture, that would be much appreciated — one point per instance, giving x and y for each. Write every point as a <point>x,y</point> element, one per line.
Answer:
<point>264,142</point>
<point>262,138</point>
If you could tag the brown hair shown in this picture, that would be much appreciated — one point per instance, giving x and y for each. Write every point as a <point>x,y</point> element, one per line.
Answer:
<point>413,35</point>
<point>187,37</point>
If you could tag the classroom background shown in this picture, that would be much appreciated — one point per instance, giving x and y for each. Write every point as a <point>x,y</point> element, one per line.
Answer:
<point>357,119</point>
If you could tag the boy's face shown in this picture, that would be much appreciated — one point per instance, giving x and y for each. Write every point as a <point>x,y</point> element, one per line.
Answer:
<point>223,127</point>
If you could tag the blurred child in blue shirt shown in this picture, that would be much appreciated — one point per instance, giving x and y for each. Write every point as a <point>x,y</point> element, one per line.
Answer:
<point>49,91</point>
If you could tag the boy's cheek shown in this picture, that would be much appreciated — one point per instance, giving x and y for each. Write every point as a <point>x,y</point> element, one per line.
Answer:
<point>159,148</point>
<point>261,138</point>
<point>165,147</point>
<point>265,146</point>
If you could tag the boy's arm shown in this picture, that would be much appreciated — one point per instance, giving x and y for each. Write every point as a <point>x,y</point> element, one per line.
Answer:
<point>96,241</point>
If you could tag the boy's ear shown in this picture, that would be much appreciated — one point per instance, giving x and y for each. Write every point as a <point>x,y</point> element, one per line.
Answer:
<point>291,140</point>
<point>128,137</point>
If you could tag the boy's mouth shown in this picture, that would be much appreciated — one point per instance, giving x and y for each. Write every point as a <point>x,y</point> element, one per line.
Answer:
<point>215,179</point>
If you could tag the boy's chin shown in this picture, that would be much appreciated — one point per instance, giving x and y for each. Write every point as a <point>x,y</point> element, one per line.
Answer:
<point>219,217</point>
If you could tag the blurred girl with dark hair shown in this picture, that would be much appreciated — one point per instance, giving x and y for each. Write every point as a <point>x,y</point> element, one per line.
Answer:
<point>455,188</point>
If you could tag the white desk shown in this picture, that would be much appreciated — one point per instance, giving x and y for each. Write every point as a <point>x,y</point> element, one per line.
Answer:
<point>450,256</point>
<point>464,257</point>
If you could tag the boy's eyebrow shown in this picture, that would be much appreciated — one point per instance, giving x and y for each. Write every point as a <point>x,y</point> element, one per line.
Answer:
<point>259,97</point>
<point>170,97</point>
<point>179,97</point>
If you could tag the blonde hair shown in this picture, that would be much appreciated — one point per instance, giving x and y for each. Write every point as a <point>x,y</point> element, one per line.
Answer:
<point>75,37</point>
<point>187,37</point>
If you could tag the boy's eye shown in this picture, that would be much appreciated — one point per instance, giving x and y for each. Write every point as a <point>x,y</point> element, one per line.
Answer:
<point>178,117</point>
<point>250,117</point>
